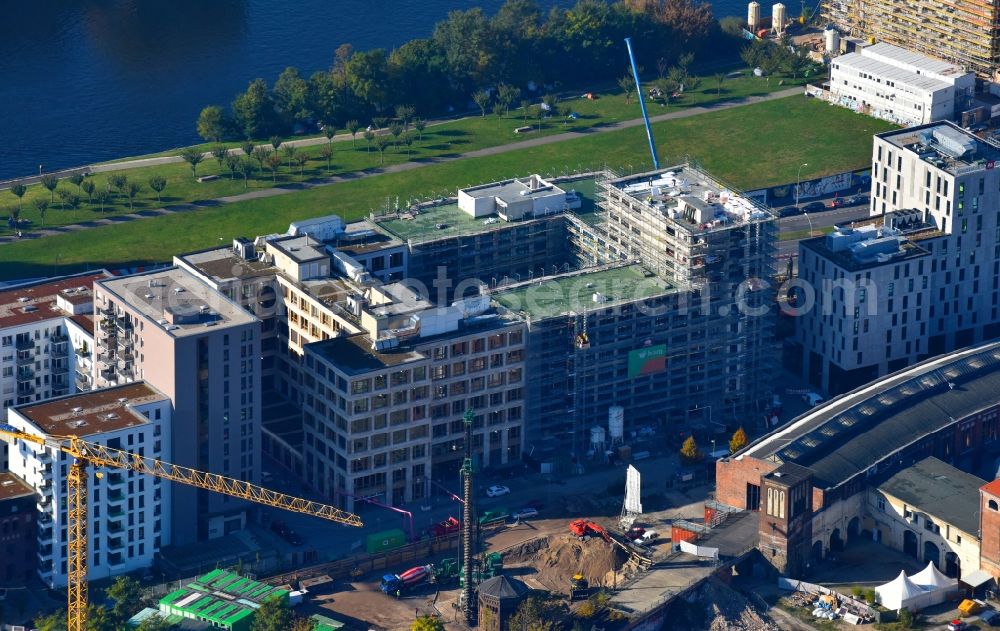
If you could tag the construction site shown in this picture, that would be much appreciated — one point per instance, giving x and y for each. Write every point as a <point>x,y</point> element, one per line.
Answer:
<point>615,568</point>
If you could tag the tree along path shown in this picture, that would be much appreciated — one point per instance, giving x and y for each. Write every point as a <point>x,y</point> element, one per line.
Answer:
<point>393,168</point>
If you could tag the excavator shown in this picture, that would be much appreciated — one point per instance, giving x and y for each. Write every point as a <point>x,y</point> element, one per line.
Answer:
<point>584,529</point>
<point>579,587</point>
<point>86,454</point>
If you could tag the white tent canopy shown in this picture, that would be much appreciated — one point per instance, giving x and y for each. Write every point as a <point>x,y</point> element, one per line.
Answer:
<point>901,593</point>
<point>932,578</point>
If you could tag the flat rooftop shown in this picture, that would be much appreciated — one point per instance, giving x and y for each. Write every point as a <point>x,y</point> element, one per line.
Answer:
<point>177,301</point>
<point>223,265</point>
<point>93,412</point>
<point>353,354</point>
<point>935,487</point>
<point>663,191</point>
<point>301,249</point>
<point>575,292</point>
<point>850,260</point>
<point>13,487</point>
<point>947,146</point>
<point>514,190</point>
<point>36,302</point>
<point>364,237</point>
<point>855,431</point>
<point>447,220</point>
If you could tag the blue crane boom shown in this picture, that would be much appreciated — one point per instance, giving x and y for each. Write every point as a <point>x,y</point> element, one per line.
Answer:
<point>642,104</point>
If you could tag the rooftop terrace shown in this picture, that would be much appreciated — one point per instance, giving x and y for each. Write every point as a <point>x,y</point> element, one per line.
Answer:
<point>574,292</point>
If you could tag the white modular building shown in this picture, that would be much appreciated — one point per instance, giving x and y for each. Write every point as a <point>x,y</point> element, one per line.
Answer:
<point>129,513</point>
<point>901,86</point>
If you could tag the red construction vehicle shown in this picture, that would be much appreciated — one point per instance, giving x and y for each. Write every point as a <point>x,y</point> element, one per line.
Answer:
<point>446,527</point>
<point>583,528</point>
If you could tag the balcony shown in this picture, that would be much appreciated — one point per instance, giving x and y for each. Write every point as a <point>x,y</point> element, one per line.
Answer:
<point>23,344</point>
<point>60,350</point>
<point>59,338</point>
<point>43,504</point>
<point>25,373</point>
<point>115,527</point>
<point>25,359</point>
<point>44,553</point>
<point>115,511</point>
<point>25,390</point>
<point>116,543</point>
<point>116,561</point>
<point>114,480</point>
<point>115,495</point>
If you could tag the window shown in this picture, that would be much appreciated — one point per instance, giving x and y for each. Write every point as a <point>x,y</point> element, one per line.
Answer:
<point>993,505</point>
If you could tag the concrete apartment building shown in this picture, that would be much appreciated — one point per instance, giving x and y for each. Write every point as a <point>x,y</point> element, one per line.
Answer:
<point>383,417</point>
<point>46,336</point>
<point>852,446</point>
<point>18,531</point>
<point>202,350</point>
<point>963,34</point>
<point>922,277</point>
<point>900,86</point>
<point>129,513</point>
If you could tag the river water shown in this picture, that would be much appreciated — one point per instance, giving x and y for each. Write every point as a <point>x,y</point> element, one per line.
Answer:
<point>89,80</point>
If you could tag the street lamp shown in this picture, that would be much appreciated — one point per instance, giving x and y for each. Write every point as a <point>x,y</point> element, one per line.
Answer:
<point>798,192</point>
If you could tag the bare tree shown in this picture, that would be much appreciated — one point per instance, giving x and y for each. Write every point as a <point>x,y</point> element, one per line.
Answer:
<point>482,99</point>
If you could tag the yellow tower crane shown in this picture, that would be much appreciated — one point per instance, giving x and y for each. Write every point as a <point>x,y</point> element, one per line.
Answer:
<point>86,454</point>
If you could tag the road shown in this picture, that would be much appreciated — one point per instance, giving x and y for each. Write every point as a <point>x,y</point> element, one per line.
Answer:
<point>818,220</point>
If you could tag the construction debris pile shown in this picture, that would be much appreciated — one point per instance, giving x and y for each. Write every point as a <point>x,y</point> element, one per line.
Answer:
<point>717,607</point>
<point>558,557</point>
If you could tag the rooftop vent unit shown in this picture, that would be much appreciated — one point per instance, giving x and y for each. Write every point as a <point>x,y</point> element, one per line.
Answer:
<point>77,423</point>
<point>77,410</point>
<point>7,483</point>
<point>244,249</point>
<point>148,296</point>
<point>122,399</point>
<point>111,416</point>
<point>23,299</point>
<point>30,309</point>
<point>178,290</point>
<point>953,142</point>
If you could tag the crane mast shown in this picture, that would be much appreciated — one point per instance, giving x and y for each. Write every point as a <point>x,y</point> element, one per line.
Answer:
<point>642,104</point>
<point>85,453</point>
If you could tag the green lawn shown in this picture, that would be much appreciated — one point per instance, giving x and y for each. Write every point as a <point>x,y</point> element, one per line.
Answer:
<point>449,138</point>
<point>753,146</point>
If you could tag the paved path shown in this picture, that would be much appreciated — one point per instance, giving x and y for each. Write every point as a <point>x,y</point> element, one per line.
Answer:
<point>393,168</point>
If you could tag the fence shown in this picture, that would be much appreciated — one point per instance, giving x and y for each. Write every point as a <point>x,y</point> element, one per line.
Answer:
<point>417,552</point>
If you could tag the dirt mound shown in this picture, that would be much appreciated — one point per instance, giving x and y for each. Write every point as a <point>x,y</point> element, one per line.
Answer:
<point>728,610</point>
<point>559,557</point>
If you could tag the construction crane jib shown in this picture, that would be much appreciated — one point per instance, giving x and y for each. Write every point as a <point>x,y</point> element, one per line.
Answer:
<point>642,104</point>
<point>86,453</point>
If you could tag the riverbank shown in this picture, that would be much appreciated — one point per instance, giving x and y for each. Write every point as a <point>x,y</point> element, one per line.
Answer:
<point>748,146</point>
<point>350,155</point>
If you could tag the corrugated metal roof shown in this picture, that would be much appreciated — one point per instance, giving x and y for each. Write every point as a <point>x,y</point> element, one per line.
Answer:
<point>890,54</point>
<point>877,68</point>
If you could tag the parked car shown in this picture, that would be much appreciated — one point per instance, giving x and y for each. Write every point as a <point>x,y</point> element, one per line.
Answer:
<point>525,513</point>
<point>814,207</point>
<point>857,200</point>
<point>959,625</point>
<point>836,202</point>
<point>635,532</point>
<point>812,399</point>
<point>789,211</point>
<point>497,490</point>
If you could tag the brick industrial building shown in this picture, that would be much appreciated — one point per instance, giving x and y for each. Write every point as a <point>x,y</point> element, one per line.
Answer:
<point>827,467</point>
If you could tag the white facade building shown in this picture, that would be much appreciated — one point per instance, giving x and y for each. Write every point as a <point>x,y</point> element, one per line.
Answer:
<point>901,86</point>
<point>129,514</point>
<point>923,278</point>
<point>46,330</point>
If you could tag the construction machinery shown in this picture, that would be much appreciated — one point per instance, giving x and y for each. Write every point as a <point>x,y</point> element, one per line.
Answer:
<point>642,105</point>
<point>86,454</point>
<point>584,529</point>
<point>446,527</point>
<point>579,587</point>
<point>396,584</point>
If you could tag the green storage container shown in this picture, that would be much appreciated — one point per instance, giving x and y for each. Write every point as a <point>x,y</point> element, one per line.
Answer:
<point>385,541</point>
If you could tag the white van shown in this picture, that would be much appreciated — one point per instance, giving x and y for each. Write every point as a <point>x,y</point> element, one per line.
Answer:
<point>649,536</point>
